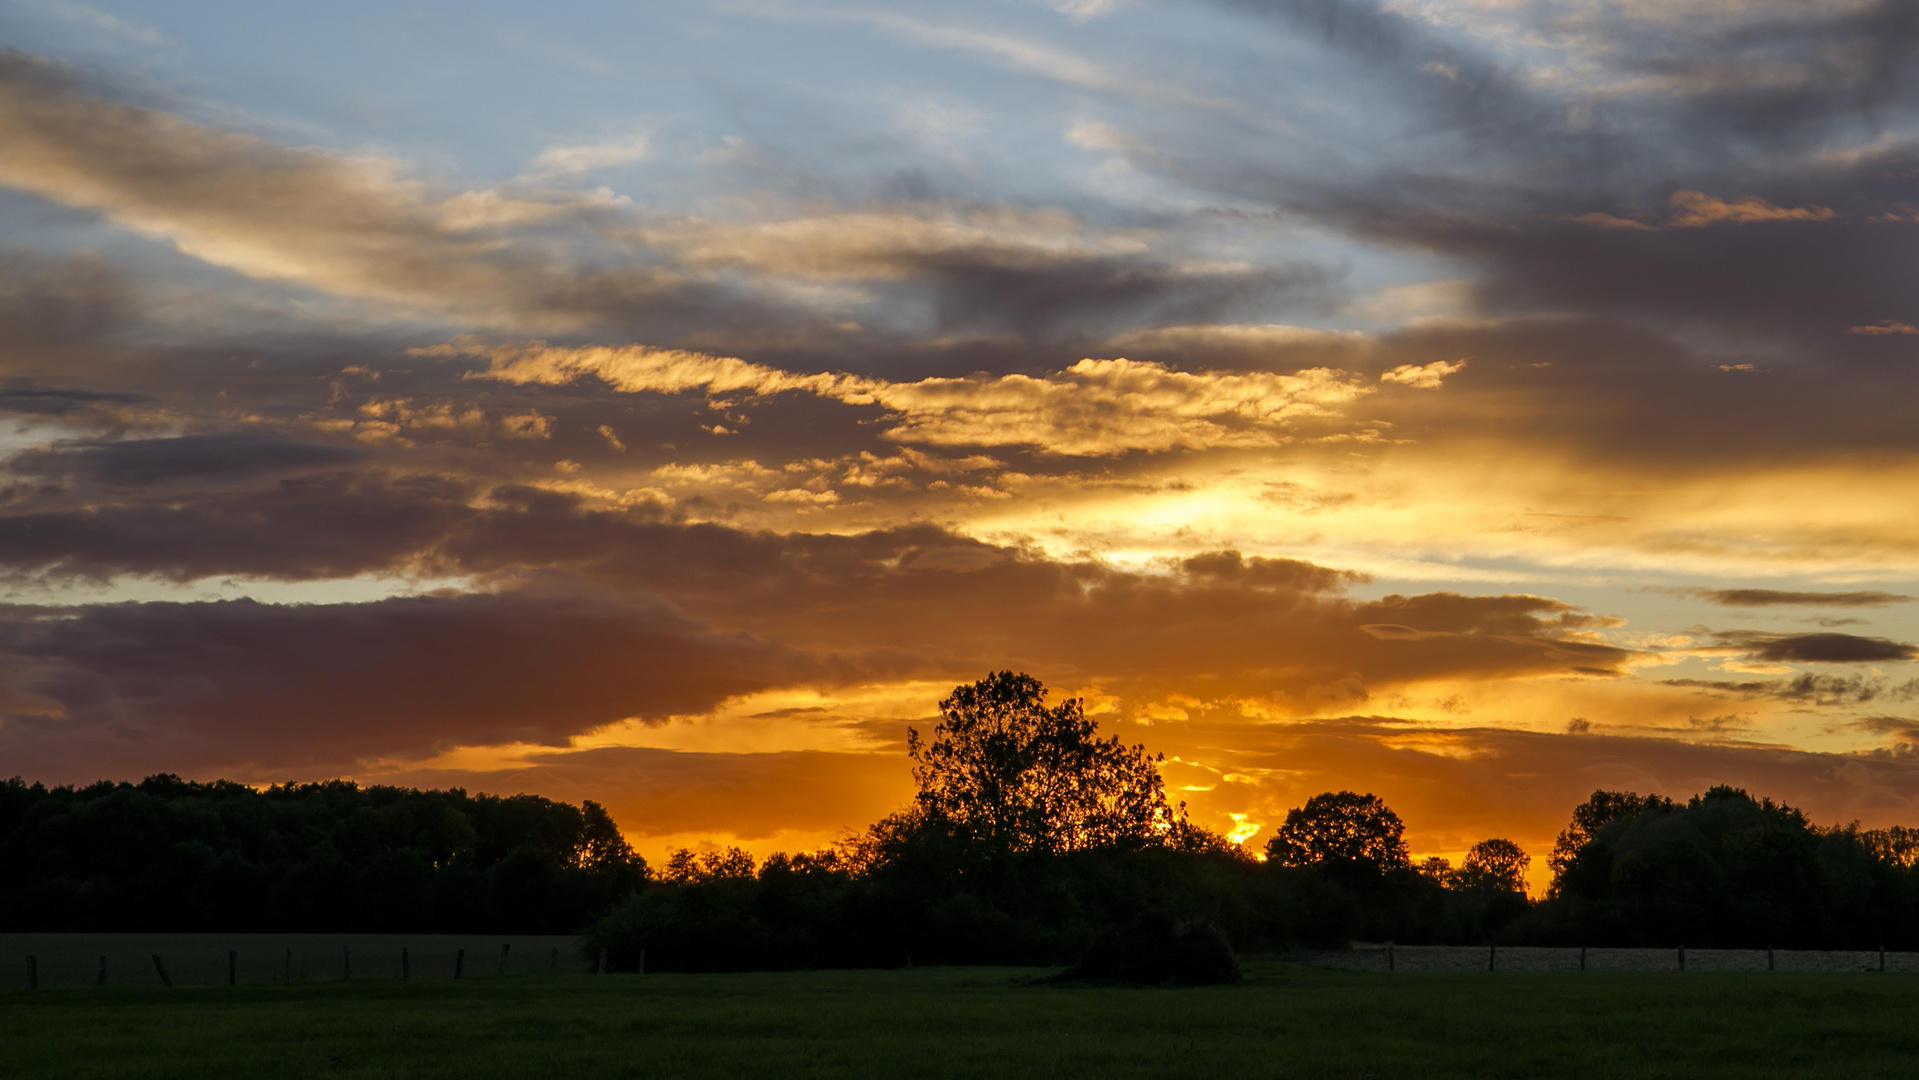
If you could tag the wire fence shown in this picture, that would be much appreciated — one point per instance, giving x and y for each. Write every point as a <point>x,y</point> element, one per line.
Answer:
<point>75,960</point>
<point>1368,956</point>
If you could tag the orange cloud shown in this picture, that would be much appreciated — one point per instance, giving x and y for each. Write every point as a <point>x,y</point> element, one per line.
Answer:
<point>1696,209</point>
<point>1884,328</point>
<point>1094,407</point>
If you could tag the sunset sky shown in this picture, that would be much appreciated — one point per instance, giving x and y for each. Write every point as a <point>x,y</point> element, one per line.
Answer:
<point>1474,402</point>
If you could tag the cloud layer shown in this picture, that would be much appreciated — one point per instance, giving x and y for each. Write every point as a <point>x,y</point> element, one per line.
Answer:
<point>1473,403</point>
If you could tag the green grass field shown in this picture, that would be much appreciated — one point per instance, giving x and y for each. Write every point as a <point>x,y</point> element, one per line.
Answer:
<point>1284,1021</point>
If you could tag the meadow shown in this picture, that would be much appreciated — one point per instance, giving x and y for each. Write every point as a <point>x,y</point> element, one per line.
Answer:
<point>1285,1020</point>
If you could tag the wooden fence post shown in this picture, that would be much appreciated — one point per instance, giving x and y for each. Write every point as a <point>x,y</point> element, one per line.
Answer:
<point>33,972</point>
<point>504,946</point>
<point>1682,958</point>
<point>286,973</point>
<point>346,963</point>
<point>162,969</point>
<point>101,978</point>
<point>1389,957</point>
<point>233,967</point>
<point>553,965</point>
<point>459,963</point>
<point>1492,957</point>
<point>406,969</point>
<point>1768,958</point>
<point>642,961</point>
<point>602,960</point>
<point>1882,958</point>
<point>1582,958</point>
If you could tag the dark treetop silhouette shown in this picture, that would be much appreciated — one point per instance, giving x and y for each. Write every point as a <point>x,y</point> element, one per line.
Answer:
<point>1015,776</point>
<point>170,855</point>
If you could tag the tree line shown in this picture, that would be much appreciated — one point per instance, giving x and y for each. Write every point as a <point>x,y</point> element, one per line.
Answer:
<point>1030,838</point>
<point>172,855</point>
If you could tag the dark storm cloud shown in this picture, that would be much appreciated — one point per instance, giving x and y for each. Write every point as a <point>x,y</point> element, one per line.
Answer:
<point>302,528</point>
<point>1609,390</point>
<point>1812,280</point>
<point>1770,597</point>
<point>1824,648</point>
<point>231,683</point>
<point>142,462</point>
<point>1639,186</point>
<point>1459,85</point>
<point>1783,70</point>
<point>22,397</point>
<point>1234,625</point>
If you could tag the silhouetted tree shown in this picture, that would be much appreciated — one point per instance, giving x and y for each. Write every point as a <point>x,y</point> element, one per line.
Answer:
<point>1013,775</point>
<point>1602,808</point>
<point>1493,866</point>
<point>1344,833</point>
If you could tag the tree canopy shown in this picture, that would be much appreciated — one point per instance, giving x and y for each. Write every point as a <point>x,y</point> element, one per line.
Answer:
<point>1343,832</point>
<point>173,855</point>
<point>1494,866</point>
<point>1014,775</point>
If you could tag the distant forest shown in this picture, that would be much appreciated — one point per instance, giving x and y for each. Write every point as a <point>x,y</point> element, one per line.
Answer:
<point>1031,840</point>
<point>169,855</point>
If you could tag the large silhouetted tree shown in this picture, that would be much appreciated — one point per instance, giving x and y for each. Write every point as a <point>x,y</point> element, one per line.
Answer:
<point>1591,816</point>
<point>1341,832</point>
<point>1494,866</point>
<point>1011,774</point>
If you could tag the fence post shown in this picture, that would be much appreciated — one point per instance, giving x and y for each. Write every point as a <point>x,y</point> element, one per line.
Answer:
<point>504,946</point>
<point>346,963</point>
<point>162,969</point>
<point>33,972</point>
<point>101,978</point>
<point>1882,958</point>
<point>459,963</point>
<point>642,961</point>
<point>1682,958</point>
<point>1389,957</point>
<point>1492,957</point>
<point>1768,958</point>
<point>233,967</point>
<point>406,969</point>
<point>553,965</point>
<point>602,960</point>
<point>1582,958</point>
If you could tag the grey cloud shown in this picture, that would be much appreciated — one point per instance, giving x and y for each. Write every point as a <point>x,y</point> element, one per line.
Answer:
<point>142,462</point>
<point>232,683</point>
<point>1771,597</point>
<point>1903,729</point>
<point>302,528</point>
<point>1095,296</point>
<point>1823,648</point>
<point>22,397</point>
<point>47,302</point>
<point>1519,175</point>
